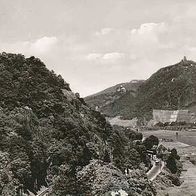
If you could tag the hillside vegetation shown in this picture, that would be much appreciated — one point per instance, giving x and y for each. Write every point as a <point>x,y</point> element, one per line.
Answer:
<point>106,100</point>
<point>50,137</point>
<point>172,87</point>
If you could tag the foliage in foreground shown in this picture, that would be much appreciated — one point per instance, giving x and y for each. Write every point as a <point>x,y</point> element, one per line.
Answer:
<point>48,136</point>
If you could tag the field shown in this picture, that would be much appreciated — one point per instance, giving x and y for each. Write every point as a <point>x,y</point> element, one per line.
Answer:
<point>187,137</point>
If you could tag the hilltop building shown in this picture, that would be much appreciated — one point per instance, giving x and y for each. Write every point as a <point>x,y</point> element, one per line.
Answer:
<point>121,89</point>
<point>185,59</point>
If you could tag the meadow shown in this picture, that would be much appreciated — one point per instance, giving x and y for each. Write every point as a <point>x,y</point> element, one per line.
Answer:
<point>187,137</point>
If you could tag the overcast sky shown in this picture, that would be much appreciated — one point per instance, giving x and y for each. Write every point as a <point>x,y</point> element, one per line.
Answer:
<point>94,44</point>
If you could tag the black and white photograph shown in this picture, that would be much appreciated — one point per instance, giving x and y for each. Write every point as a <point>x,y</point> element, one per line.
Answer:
<point>97,98</point>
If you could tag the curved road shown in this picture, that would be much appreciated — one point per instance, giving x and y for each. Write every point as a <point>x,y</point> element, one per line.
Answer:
<point>44,192</point>
<point>155,170</point>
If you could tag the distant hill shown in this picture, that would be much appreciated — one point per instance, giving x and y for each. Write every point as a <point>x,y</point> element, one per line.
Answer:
<point>110,95</point>
<point>172,87</point>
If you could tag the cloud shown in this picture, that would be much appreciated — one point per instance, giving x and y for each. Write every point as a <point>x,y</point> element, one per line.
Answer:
<point>148,33</point>
<point>93,56</point>
<point>113,56</point>
<point>43,44</point>
<point>149,28</point>
<point>131,44</point>
<point>148,39</point>
<point>105,58</point>
<point>38,47</point>
<point>103,31</point>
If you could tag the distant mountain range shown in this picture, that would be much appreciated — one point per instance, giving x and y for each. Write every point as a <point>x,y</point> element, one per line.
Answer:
<point>171,87</point>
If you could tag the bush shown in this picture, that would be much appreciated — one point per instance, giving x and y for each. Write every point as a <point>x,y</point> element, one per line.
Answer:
<point>173,163</point>
<point>150,141</point>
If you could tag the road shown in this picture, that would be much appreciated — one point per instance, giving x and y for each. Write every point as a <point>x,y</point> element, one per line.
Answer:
<point>44,192</point>
<point>155,170</point>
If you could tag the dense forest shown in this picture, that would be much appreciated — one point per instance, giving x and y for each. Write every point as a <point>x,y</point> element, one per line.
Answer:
<point>50,137</point>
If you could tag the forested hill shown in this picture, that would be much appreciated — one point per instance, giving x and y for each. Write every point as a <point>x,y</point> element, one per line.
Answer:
<point>172,87</point>
<point>108,97</point>
<point>50,137</point>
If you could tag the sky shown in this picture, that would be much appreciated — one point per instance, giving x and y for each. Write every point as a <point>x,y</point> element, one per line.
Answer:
<point>95,44</point>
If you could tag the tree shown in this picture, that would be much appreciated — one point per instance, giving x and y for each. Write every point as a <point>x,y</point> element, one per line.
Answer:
<point>150,141</point>
<point>65,183</point>
<point>98,177</point>
<point>174,154</point>
<point>173,163</point>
